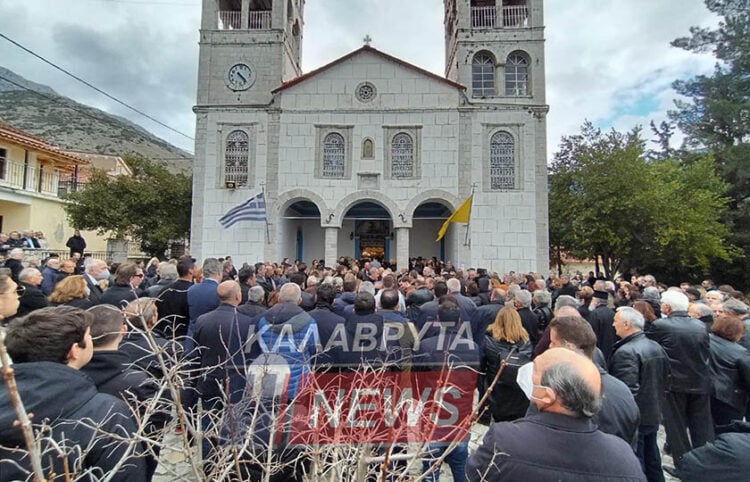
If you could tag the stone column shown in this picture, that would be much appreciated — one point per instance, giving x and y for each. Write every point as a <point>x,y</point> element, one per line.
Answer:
<point>245,15</point>
<point>331,246</point>
<point>402,247</point>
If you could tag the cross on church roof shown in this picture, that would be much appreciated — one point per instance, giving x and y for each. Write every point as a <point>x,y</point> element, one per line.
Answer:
<point>367,40</point>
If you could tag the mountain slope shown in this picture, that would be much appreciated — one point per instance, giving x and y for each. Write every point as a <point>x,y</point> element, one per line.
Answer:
<point>61,121</point>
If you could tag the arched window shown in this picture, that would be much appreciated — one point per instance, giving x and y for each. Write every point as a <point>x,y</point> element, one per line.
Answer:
<point>236,157</point>
<point>483,75</point>
<point>517,75</point>
<point>402,156</point>
<point>502,162</point>
<point>334,155</point>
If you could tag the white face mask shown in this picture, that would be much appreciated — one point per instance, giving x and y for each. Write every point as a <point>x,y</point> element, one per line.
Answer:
<point>87,291</point>
<point>525,380</point>
<point>103,275</point>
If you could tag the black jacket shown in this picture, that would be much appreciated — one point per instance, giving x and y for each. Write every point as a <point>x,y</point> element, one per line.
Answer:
<point>601,319</point>
<point>110,371</point>
<point>95,291</point>
<point>643,366</point>
<point>173,309</point>
<point>686,342</point>
<point>327,322</point>
<point>119,295</point>
<point>76,244</point>
<point>341,302</point>
<point>136,347</point>
<point>542,448</point>
<point>529,321</point>
<point>32,299</point>
<point>215,333</point>
<point>723,460</point>
<point>252,309</point>
<point>507,401</point>
<point>63,397</point>
<point>482,318</point>
<point>730,372</point>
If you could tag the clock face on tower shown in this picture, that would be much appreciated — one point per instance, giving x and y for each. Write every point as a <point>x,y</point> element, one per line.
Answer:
<point>240,77</point>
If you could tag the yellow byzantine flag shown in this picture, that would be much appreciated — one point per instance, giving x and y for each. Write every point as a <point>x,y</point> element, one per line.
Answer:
<point>461,215</point>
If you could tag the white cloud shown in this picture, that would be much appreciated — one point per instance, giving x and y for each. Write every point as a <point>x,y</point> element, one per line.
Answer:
<point>605,58</point>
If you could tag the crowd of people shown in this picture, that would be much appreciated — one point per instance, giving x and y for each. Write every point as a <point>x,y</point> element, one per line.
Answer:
<point>549,364</point>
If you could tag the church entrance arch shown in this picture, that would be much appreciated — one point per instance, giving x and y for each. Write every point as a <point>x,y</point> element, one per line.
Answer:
<point>427,219</point>
<point>371,229</point>
<point>301,236</point>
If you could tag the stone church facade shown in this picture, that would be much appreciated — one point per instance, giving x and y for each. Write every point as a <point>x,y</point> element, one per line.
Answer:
<point>371,153</point>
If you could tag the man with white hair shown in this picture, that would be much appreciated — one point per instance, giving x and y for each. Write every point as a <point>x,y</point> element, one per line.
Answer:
<point>14,263</point>
<point>468,307</point>
<point>686,404</point>
<point>522,304</point>
<point>643,366</point>
<point>95,270</point>
<point>32,298</point>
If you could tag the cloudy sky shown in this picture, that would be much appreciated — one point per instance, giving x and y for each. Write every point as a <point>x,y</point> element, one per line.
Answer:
<point>608,61</point>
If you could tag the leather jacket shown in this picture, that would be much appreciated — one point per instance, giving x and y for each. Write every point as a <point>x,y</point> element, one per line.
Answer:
<point>685,340</point>
<point>730,372</point>
<point>643,366</point>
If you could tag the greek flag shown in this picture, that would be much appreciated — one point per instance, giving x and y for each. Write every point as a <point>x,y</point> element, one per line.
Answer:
<point>254,209</point>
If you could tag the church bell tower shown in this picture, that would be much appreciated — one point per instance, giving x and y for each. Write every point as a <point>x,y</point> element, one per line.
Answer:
<point>247,49</point>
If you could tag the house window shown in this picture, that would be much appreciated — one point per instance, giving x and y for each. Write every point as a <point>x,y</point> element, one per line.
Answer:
<point>3,163</point>
<point>502,162</point>
<point>334,155</point>
<point>483,75</point>
<point>402,156</point>
<point>516,75</point>
<point>236,157</point>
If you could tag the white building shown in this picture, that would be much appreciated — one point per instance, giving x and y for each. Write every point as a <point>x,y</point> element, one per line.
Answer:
<point>370,152</point>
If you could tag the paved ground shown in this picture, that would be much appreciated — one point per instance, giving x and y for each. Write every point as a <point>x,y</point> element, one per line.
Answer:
<point>174,468</point>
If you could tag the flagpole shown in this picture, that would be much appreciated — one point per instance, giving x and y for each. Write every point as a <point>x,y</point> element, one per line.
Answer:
<point>468,224</point>
<point>265,211</point>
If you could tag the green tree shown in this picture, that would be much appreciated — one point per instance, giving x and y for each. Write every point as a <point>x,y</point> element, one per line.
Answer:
<point>716,117</point>
<point>153,205</point>
<point>608,201</point>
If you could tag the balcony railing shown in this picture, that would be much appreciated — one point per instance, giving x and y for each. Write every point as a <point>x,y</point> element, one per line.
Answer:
<point>37,179</point>
<point>500,17</point>
<point>232,20</point>
<point>260,20</point>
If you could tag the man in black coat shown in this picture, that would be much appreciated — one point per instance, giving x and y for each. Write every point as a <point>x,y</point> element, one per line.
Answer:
<point>76,243</point>
<point>723,460</point>
<point>619,413</point>
<point>254,305</point>
<point>14,263</point>
<point>173,302</point>
<point>32,297</point>
<point>49,347</point>
<point>347,296</point>
<point>686,404</point>
<point>326,320</point>
<point>112,374</point>
<point>601,318</point>
<point>522,304</point>
<point>142,315</point>
<point>214,333</point>
<point>643,366</point>
<point>485,315</point>
<point>125,289</point>
<point>428,311</point>
<point>565,387</point>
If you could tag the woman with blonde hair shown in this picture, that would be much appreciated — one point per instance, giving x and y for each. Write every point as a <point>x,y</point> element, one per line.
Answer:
<point>506,339</point>
<point>71,291</point>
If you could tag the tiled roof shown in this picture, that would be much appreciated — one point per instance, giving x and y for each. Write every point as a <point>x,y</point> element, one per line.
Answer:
<point>32,142</point>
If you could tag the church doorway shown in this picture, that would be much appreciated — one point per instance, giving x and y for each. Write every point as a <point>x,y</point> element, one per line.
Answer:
<point>371,229</point>
<point>300,234</point>
<point>426,222</point>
